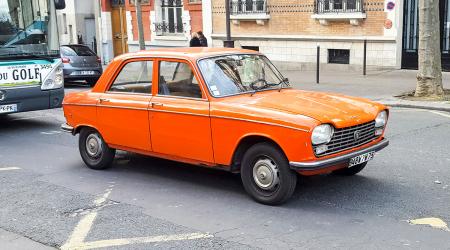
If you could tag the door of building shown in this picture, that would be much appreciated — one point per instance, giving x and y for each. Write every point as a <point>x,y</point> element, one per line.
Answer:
<point>411,34</point>
<point>119,27</point>
<point>90,39</point>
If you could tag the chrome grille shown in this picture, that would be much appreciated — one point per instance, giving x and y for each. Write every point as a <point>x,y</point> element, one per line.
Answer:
<point>344,138</point>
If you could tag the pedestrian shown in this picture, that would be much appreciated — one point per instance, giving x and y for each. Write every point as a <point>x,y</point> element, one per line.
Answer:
<point>202,38</point>
<point>195,41</point>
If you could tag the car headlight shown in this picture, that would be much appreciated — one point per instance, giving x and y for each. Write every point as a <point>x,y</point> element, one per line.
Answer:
<point>54,80</point>
<point>381,119</point>
<point>322,134</point>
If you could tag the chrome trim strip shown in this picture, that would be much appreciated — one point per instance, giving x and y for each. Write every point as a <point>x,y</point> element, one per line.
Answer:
<point>177,112</point>
<point>67,128</point>
<point>182,97</point>
<point>260,122</point>
<point>120,107</point>
<point>317,165</point>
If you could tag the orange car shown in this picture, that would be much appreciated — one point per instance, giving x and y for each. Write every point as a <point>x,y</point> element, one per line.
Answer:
<point>226,109</point>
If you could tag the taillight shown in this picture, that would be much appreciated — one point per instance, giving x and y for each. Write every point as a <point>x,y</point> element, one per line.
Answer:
<point>65,60</point>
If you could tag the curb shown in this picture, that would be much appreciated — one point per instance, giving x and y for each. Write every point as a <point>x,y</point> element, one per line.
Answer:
<point>417,106</point>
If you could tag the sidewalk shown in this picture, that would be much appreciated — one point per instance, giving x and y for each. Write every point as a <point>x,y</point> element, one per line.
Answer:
<point>10,240</point>
<point>379,86</point>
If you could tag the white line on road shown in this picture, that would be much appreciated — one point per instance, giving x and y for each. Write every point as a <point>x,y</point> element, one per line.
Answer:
<point>79,234</point>
<point>141,240</point>
<point>9,168</point>
<point>26,118</point>
<point>439,113</point>
<point>54,132</point>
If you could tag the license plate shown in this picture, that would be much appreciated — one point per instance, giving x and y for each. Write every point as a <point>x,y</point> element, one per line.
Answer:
<point>87,72</point>
<point>361,159</point>
<point>11,108</point>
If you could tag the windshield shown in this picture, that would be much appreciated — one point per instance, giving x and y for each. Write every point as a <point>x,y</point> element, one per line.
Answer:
<point>76,50</point>
<point>28,28</point>
<point>235,74</point>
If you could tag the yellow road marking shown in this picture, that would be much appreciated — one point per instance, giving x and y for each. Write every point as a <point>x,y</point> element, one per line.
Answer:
<point>432,222</point>
<point>9,168</point>
<point>79,234</point>
<point>440,113</point>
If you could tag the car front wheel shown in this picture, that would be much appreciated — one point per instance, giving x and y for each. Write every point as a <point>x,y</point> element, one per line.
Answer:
<point>266,174</point>
<point>94,151</point>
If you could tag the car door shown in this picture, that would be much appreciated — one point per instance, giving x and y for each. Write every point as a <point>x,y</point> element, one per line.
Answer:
<point>180,121</point>
<point>123,109</point>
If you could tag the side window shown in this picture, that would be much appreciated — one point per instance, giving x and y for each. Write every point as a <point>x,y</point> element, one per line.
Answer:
<point>135,77</point>
<point>177,79</point>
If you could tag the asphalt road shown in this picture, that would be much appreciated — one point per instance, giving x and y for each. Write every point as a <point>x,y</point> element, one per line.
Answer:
<point>49,196</point>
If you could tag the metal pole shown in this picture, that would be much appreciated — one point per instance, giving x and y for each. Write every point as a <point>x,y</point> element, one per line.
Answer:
<point>318,65</point>
<point>228,43</point>
<point>365,58</point>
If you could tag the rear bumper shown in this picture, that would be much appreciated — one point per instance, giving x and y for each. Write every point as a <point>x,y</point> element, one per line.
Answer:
<point>336,161</point>
<point>75,73</point>
<point>33,98</point>
<point>67,128</point>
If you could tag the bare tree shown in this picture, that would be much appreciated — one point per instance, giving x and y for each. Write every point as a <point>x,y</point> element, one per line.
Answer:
<point>140,24</point>
<point>429,78</point>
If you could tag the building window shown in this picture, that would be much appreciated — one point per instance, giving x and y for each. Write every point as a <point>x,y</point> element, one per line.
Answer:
<point>255,48</point>
<point>338,6</point>
<point>239,7</point>
<point>339,56</point>
<point>171,19</point>
<point>64,23</point>
<point>133,2</point>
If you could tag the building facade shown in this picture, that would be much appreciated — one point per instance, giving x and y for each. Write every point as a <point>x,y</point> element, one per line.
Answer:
<point>167,23</point>
<point>289,31</point>
<point>76,23</point>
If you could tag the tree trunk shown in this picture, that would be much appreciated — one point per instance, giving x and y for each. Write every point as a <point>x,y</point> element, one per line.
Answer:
<point>140,25</point>
<point>429,78</point>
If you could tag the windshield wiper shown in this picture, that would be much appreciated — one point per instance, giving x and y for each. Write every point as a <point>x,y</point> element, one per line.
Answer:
<point>285,81</point>
<point>47,58</point>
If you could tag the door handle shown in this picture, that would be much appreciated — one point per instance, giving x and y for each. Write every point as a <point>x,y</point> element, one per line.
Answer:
<point>157,104</point>
<point>102,100</point>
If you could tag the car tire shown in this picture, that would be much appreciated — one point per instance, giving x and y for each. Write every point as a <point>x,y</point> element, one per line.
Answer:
<point>95,153</point>
<point>351,171</point>
<point>266,174</point>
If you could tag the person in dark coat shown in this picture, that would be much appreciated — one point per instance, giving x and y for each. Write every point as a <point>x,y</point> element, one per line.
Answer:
<point>195,41</point>
<point>202,38</point>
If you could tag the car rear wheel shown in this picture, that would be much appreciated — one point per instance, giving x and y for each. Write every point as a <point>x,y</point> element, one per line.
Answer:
<point>266,174</point>
<point>94,151</point>
<point>351,171</point>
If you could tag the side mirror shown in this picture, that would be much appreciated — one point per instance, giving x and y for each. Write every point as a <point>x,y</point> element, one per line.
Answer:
<point>286,79</point>
<point>60,4</point>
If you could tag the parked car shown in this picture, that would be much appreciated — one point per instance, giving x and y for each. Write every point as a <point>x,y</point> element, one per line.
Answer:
<point>80,63</point>
<point>227,109</point>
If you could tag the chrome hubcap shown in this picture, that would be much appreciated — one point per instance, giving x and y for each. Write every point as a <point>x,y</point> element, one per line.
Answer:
<point>93,145</point>
<point>265,174</point>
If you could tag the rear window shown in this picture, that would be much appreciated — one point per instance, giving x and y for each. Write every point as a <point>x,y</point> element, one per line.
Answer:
<point>77,51</point>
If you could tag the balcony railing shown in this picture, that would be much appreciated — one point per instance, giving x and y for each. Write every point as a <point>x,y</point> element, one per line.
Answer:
<point>243,7</point>
<point>339,6</point>
<point>165,28</point>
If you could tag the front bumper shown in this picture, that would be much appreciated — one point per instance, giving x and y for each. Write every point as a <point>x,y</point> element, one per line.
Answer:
<point>31,98</point>
<point>336,161</point>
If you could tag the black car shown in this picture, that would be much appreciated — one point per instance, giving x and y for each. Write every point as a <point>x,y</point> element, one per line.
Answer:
<point>81,63</point>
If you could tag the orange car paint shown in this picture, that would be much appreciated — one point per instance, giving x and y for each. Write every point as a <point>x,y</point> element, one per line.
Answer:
<point>208,130</point>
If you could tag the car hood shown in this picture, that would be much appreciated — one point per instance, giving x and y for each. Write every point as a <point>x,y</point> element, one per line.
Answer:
<point>340,110</point>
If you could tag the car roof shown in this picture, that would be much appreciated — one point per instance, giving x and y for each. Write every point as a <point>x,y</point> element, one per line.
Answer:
<point>185,53</point>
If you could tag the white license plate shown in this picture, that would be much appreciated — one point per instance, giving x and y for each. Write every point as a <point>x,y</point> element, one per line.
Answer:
<point>87,72</point>
<point>361,159</point>
<point>11,108</point>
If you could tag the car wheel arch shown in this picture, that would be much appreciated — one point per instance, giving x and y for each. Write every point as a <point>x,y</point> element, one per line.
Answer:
<point>78,129</point>
<point>244,144</point>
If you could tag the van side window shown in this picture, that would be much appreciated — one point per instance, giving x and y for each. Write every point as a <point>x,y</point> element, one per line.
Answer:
<point>135,77</point>
<point>177,79</point>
